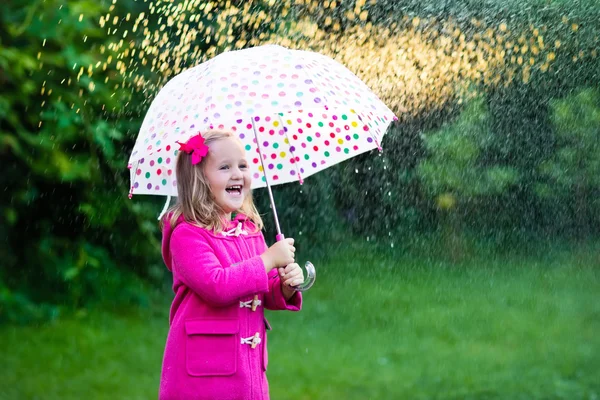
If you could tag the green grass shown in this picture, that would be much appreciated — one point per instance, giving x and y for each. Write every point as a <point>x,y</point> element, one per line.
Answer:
<point>377,325</point>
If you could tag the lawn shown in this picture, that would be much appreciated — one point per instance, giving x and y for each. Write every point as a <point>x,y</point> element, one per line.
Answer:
<point>377,325</point>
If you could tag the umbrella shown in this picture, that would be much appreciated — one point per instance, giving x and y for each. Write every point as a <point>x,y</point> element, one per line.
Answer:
<point>296,112</point>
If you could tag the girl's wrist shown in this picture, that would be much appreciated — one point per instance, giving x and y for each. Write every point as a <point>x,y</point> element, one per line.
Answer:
<point>288,292</point>
<point>267,262</point>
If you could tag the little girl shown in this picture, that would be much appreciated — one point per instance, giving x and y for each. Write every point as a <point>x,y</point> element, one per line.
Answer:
<point>223,277</point>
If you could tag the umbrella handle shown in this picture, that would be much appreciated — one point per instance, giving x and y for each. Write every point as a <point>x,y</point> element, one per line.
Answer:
<point>311,273</point>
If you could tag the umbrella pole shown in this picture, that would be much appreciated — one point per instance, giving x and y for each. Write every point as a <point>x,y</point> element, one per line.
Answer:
<point>279,234</point>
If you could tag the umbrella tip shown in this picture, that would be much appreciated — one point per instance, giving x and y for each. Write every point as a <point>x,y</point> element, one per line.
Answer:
<point>380,149</point>
<point>129,166</point>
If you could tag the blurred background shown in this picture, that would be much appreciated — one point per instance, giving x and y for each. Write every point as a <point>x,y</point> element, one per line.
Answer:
<point>463,262</point>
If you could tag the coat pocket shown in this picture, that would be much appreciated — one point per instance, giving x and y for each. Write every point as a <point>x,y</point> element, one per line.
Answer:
<point>212,347</point>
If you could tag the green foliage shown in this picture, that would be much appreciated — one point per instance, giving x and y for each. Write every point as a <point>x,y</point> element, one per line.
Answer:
<point>576,161</point>
<point>71,235</point>
<point>456,161</point>
<point>377,194</point>
<point>572,174</point>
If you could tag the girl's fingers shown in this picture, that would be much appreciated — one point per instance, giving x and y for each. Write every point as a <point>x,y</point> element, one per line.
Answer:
<point>291,267</point>
<point>294,282</point>
<point>293,275</point>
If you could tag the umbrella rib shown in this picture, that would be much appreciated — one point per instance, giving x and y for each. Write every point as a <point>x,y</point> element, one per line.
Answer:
<point>284,129</point>
<point>132,177</point>
<point>324,93</point>
<point>260,156</point>
<point>307,71</point>
<point>371,134</point>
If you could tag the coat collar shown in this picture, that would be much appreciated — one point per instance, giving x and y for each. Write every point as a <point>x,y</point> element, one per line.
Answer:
<point>240,217</point>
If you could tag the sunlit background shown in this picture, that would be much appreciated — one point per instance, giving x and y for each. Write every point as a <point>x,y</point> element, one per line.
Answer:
<point>462,262</point>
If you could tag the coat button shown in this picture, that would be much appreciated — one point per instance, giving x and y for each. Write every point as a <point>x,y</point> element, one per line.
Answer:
<point>256,340</point>
<point>255,303</point>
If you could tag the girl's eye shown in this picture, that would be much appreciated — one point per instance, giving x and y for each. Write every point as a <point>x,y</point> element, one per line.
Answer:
<point>243,166</point>
<point>224,167</point>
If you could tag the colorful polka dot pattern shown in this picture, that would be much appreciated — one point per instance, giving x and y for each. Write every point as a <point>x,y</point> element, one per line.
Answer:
<point>307,111</point>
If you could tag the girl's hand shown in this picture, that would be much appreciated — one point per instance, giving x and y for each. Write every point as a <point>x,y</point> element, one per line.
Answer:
<point>291,275</point>
<point>279,255</point>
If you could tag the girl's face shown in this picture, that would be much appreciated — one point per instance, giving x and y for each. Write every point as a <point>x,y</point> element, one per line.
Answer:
<point>228,173</point>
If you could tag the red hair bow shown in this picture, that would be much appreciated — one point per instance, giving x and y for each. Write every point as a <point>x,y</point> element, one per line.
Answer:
<point>196,147</point>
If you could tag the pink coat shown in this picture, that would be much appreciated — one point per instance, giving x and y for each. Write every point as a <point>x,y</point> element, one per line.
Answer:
<point>209,354</point>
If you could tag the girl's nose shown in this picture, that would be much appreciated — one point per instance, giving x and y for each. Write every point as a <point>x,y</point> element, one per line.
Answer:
<point>236,173</point>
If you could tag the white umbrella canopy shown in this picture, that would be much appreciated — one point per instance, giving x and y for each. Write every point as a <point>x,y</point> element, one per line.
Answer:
<point>303,111</point>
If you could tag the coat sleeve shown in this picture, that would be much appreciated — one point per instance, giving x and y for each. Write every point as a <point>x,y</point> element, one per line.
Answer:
<point>195,263</point>
<point>274,299</point>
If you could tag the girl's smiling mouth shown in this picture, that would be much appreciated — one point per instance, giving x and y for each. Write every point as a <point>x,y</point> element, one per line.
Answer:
<point>236,190</point>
